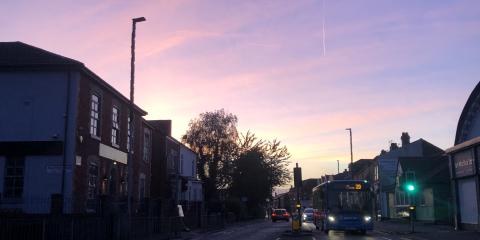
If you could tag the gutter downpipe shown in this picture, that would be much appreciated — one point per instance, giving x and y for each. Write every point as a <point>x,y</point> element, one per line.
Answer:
<point>65,138</point>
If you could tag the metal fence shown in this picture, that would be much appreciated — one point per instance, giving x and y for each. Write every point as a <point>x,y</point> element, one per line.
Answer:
<point>49,227</point>
<point>104,219</point>
<point>84,227</point>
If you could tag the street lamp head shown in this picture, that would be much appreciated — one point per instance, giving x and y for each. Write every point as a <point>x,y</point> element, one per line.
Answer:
<point>348,129</point>
<point>139,19</point>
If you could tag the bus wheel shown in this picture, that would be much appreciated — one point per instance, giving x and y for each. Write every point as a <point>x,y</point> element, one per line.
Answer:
<point>326,231</point>
<point>363,232</point>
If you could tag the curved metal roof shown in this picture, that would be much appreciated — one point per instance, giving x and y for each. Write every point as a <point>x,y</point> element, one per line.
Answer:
<point>468,112</point>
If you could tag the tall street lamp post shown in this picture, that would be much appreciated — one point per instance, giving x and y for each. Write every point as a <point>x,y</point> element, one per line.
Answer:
<point>338,166</point>
<point>351,153</point>
<point>131,118</point>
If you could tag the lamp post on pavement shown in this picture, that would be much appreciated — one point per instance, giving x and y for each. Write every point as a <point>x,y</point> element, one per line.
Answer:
<point>351,153</point>
<point>131,124</point>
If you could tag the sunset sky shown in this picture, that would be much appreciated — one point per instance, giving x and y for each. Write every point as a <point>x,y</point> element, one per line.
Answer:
<point>388,66</point>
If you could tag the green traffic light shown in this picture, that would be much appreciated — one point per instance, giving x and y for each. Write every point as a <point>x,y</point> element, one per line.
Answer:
<point>411,187</point>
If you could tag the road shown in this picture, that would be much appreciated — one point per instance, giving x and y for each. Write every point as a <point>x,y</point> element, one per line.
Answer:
<point>266,230</point>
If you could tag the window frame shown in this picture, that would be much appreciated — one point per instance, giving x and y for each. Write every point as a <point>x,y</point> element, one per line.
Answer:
<point>129,132</point>
<point>93,179</point>
<point>95,115</point>
<point>147,144</point>
<point>14,178</point>
<point>115,129</point>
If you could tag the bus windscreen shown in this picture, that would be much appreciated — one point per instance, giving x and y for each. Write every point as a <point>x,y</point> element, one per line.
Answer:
<point>349,201</point>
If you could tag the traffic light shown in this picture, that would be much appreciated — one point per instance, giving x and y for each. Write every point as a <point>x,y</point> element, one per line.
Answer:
<point>410,187</point>
<point>410,182</point>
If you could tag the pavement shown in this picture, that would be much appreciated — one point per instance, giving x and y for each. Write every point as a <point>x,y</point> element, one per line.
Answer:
<point>385,230</point>
<point>423,231</point>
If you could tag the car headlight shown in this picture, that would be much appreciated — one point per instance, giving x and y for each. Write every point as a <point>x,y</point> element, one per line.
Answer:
<point>367,218</point>
<point>304,216</point>
<point>331,218</point>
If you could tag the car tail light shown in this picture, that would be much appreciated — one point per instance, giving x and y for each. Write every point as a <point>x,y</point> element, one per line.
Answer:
<point>286,214</point>
<point>273,214</point>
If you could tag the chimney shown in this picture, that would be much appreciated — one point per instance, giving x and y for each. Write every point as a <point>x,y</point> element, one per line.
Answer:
<point>405,139</point>
<point>393,146</point>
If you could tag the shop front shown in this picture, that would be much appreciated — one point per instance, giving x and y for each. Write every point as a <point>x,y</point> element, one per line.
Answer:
<point>464,172</point>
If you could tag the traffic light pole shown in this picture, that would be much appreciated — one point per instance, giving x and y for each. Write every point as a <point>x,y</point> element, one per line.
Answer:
<point>297,177</point>
<point>412,209</point>
<point>411,188</point>
<point>412,223</point>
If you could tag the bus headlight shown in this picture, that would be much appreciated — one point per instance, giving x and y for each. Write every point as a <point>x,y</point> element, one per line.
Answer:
<point>331,218</point>
<point>367,218</point>
<point>304,216</point>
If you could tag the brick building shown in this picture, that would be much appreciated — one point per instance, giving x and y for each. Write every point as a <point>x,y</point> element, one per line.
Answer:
<point>64,133</point>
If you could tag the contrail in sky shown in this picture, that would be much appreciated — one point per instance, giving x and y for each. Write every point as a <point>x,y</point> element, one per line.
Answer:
<point>323,27</point>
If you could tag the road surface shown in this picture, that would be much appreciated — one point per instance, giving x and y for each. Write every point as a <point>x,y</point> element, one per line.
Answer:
<point>266,230</point>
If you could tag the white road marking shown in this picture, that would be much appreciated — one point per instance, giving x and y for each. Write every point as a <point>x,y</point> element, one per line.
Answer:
<point>386,238</point>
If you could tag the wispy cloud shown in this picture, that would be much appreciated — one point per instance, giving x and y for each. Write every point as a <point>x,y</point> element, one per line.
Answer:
<point>390,67</point>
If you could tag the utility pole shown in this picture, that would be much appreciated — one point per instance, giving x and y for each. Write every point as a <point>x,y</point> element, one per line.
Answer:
<point>131,124</point>
<point>351,153</point>
<point>338,166</point>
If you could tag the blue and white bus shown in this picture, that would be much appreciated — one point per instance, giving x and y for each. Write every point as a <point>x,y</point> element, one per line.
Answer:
<point>343,205</point>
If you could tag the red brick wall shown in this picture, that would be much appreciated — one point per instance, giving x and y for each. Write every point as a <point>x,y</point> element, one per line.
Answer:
<point>88,149</point>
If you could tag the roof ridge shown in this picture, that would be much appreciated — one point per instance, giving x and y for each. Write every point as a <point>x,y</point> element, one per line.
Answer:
<point>22,54</point>
<point>52,53</point>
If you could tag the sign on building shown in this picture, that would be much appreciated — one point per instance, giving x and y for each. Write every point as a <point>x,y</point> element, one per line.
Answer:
<point>463,164</point>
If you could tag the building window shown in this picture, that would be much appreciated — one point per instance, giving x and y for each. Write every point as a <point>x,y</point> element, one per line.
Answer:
<point>141,186</point>
<point>146,144</point>
<point>92,180</point>
<point>128,134</point>
<point>94,115</point>
<point>123,180</point>
<point>115,126</point>
<point>14,173</point>
<point>113,179</point>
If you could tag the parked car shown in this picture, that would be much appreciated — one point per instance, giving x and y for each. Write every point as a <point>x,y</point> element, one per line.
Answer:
<point>307,215</point>
<point>280,214</point>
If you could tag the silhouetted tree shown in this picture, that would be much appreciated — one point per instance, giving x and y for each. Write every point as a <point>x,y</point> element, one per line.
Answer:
<point>250,179</point>
<point>261,166</point>
<point>246,166</point>
<point>274,156</point>
<point>213,136</point>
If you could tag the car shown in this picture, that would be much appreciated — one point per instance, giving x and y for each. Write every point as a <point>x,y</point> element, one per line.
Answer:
<point>307,215</point>
<point>280,214</point>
